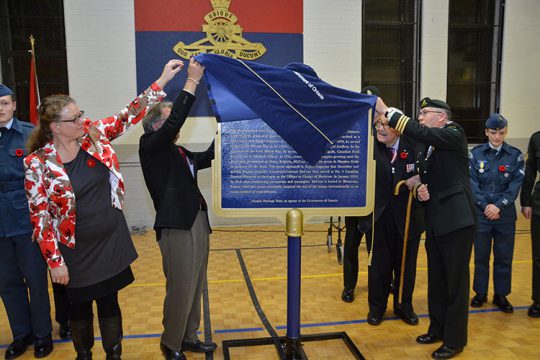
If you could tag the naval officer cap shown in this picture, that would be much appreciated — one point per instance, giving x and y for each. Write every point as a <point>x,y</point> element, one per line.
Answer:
<point>370,90</point>
<point>434,103</point>
<point>5,91</point>
<point>496,121</point>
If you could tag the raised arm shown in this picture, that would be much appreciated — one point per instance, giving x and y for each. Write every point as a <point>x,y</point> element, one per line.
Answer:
<point>118,124</point>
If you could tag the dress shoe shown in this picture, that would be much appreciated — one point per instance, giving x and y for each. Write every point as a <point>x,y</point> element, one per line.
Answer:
<point>198,346</point>
<point>503,304</point>
<point>347,295</point>
<point>427,339</point>
<point>18,347</point>
<point>374,318</point>
<point>65,331</point>
<point>43,347</point>
<point>408,316</point>
<point>446,352</point>
<point>478,300</point>
<point>534,310</point>
<point>170,354</point>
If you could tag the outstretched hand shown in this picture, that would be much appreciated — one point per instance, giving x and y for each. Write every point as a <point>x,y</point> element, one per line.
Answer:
<point>195,72</point>
<point>172,68</point>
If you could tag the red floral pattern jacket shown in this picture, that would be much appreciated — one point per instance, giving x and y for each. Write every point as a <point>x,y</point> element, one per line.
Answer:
<point>50,195</point>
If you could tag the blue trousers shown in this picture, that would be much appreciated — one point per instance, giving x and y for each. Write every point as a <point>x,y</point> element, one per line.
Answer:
<point>502,237</point>
<point>23,287</point>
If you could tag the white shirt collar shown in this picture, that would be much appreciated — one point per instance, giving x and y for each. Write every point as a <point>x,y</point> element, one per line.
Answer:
<point>9,124</point>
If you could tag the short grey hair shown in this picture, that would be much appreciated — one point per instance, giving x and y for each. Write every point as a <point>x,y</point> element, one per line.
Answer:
<point>154,115</point>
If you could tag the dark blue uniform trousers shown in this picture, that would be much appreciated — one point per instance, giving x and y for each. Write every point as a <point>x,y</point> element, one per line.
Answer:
<point>23,273</point>
<point>502,237</point>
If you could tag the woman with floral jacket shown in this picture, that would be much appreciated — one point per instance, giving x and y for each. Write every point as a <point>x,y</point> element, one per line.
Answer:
<point>75,193</point>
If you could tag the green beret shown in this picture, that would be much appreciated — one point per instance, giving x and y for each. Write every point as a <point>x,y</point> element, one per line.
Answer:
<point>427,102</point>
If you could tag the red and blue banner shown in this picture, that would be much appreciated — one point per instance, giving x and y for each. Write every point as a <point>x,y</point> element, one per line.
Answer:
<point>268,32</point>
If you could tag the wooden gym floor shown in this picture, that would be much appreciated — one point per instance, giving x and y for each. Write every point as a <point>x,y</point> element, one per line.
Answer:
<point>232,315</point>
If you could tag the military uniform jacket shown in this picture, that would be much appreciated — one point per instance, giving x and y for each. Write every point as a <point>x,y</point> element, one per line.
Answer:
<point>443,165</point>
<point>48,188</point>
<point>14,217</point>
<point>530,190</point>
<point>496,179</point>
<point>387,177</point>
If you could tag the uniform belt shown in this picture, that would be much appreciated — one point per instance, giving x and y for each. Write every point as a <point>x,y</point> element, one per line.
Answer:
<point>6,186</point>
<point>494,188</point>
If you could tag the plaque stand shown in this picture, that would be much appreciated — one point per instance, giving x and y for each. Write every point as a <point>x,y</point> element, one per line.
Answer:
<point>289,347</point>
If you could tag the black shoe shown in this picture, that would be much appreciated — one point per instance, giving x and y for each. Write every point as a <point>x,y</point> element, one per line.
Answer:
<point>43,347</point>
<point>374,319</point>
<point>65,331</point>
<point>534,310</point>
<point>170,354</point>
<point>18,347</point>
<point>446,352</point>
<point>478,300</point>
<point>198,346</point>
<point>408,316</point>
<point>347,295</point>
<point>427,339</point>
<point>503,304</point>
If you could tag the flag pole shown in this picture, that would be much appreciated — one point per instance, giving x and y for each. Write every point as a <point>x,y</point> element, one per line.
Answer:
<point>34,87</point>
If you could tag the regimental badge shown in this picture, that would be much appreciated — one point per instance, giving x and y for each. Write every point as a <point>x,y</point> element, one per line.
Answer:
<point>409,168</point>
<point>223,37</point>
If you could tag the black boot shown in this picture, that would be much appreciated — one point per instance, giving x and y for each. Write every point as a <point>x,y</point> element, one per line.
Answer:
<point>82,333</point>
<point>111,336</point>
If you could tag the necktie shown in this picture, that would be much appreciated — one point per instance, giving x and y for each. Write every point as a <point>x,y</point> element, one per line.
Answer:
<point>392,153</point>
<point>494,152</point>
<point>3,130</point>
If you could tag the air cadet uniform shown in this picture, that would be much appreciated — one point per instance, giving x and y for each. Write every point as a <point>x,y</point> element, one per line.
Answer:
<point>496,176</point>
<point>530,197</point>
<point>23,273</point>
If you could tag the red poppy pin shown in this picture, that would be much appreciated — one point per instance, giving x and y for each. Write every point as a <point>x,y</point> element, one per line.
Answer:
<point>502,168</point>
<point>85,145</point>
<point>403,154</point>
<point>19,152</point>
<point>91,163</point>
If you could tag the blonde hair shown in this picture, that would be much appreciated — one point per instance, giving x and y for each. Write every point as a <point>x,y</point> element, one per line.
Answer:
<point>49,112</point>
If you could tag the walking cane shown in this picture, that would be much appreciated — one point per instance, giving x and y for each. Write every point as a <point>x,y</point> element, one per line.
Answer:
<point>405,236</point>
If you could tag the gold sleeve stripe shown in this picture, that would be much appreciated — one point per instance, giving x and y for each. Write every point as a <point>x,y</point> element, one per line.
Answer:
<point>402,122</point>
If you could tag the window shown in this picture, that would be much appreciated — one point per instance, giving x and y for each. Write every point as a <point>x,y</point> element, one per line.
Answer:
<point>474,62</point>
<point>391,51</point>
<point>44,20</point>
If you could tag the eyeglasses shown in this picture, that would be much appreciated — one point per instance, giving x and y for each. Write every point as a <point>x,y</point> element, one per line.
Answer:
<point>424,112</point>
<point>75,119</point>
<point>380,125</point>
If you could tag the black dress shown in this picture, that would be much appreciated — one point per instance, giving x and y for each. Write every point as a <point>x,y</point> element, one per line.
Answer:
<point>100,262</point>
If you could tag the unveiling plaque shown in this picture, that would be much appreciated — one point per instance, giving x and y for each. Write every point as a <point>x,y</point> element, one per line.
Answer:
<point>256,173</point>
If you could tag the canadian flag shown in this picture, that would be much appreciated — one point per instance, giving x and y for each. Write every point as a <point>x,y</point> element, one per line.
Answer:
<point>34,87</point>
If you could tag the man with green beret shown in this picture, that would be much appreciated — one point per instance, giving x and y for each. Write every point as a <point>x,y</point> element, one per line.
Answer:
<point>443,167</point>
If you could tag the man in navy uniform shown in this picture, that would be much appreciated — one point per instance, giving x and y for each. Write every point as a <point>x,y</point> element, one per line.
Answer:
<point>23,273</point>
<point>450,219</point>
<point>530,202</point>
<point>497,172</point>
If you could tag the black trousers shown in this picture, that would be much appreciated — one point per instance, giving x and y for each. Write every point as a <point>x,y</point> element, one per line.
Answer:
<point>353,237</point>
<point>107,307</point>
<point>61,303</point>
<point>535,238</point>
<point>448,285</point>
<point>386,264</point>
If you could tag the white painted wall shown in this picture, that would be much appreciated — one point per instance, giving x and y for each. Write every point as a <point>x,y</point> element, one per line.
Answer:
<point>100,39</point>
<point>520,92</point>
<point>434,49</point>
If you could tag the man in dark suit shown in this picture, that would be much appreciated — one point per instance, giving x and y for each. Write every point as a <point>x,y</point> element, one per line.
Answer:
<point>23,272</point>
<point>530,202</point>
<point>181,225</point>
<point>450,219</point>
<point>396,158</point>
